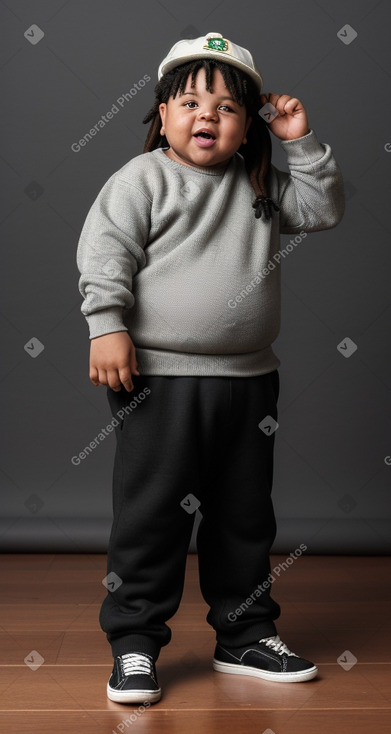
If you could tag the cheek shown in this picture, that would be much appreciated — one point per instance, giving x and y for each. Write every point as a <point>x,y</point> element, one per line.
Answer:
<point>235,132</point>
<point>233,127</point>
<point>183,127</point>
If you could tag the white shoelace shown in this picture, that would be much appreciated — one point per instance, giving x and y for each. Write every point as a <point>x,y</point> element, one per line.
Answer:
<point>133,664</point>
<point>277,645</point>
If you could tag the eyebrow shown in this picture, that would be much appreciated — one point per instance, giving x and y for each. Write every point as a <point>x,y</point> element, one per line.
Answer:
<point>194,94</point>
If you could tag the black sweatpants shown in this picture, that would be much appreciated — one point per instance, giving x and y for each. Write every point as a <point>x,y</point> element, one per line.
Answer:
<point>191,440</point>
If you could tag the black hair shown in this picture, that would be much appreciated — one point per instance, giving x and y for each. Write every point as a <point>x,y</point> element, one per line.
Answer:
<point>256,153</point>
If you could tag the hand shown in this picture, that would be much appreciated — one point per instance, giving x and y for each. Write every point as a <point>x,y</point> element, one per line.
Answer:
<point>113,361</point>
<point>291,122</point>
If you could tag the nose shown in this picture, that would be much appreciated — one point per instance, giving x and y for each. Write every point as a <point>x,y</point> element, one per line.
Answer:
<point>208,114</point>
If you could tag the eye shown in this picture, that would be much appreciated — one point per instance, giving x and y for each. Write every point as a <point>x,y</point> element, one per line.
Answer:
<point>223,105</point>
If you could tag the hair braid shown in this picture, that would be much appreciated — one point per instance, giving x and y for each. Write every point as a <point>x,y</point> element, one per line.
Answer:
<point>256,153</point>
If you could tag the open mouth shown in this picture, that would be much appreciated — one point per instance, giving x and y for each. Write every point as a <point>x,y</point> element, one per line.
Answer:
<point>204,140</point>
<point>205,135</point>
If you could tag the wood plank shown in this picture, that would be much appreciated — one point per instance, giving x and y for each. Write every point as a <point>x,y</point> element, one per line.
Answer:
<point>83,647</point>
<point>196,684</point>
<point>155,721</point>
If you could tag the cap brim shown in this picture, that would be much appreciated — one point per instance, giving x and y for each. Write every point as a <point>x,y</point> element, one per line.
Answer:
<point>167,66</point>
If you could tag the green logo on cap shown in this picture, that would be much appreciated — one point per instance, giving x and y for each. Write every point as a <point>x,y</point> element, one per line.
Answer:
<point>217,44</point>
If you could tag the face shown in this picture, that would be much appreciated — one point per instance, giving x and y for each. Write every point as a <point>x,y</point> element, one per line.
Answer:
<point>197,108</point>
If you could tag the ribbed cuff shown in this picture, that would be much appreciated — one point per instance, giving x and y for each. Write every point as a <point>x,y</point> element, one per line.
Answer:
<point>248,636</point>
<point>308,145</point>
<point>135,643</point>
<point>105,322</point>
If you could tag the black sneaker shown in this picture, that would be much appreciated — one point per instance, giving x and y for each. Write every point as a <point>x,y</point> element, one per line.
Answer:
<point>134,679</point>
<point>268,658</point>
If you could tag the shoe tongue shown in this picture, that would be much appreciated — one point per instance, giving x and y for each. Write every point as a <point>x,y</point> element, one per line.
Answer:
<point>136,664</point>
<point>276,644</point>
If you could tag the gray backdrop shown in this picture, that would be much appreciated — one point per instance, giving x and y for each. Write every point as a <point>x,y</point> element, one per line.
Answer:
<point>64,66</point>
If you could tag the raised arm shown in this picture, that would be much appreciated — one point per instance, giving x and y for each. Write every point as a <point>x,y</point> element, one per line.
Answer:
<point>311,195</point>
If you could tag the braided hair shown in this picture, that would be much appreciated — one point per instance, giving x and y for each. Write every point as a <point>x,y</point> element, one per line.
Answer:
<point>256,153</point>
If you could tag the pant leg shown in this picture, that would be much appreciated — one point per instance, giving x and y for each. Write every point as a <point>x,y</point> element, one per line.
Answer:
<point>238,525</point>
<point>155,467</point>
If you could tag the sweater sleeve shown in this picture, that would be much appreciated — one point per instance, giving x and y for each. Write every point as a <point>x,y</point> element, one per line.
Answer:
<point>311,196</point>
<point>110,252</point>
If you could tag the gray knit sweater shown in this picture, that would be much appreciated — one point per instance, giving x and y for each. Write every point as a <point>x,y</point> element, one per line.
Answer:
<point>175,255</point>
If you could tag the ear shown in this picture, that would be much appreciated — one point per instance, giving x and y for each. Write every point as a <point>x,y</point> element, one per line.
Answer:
<point>162,111</point>
<point>248,123</point>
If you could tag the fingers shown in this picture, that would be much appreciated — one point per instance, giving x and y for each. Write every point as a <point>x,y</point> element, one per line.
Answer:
<point>94,376</point>
<point>291,105</point>
<point>114,379</point>
<point>283,103</point>
<point>126,379</point>
<point>133,363</point>
<point>279,101</point>
<point>125,373</point>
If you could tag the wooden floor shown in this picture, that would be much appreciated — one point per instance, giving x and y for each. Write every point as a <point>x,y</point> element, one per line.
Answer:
<point>50,604</point>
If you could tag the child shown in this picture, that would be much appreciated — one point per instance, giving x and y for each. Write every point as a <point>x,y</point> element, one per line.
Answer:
<point>181,279</point>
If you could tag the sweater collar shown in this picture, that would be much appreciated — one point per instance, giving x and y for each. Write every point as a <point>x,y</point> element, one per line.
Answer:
<point>209,171</point>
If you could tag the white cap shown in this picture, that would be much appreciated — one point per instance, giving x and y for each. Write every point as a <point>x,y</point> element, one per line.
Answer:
<point>211,46</point>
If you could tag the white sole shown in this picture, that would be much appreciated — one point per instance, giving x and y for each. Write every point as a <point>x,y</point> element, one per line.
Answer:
<point>137,696</point>
<point>298,677</point>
